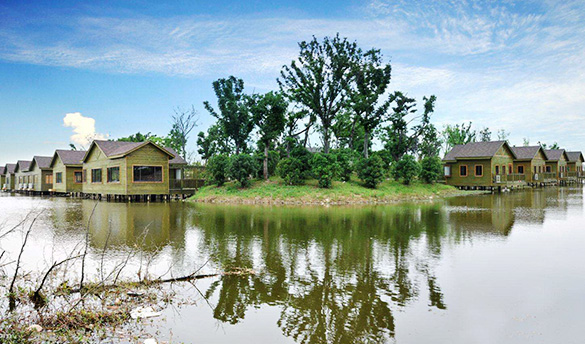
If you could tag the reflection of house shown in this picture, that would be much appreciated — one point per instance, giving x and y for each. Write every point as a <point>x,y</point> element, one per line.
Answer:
<point>531,162</point>
<point>23,178</point>
<point>486,214</point>
<point>67,171</point>
<point>557,163</point>
<point>41,174</point>
<point>10,177</point>
<point>481,164</point>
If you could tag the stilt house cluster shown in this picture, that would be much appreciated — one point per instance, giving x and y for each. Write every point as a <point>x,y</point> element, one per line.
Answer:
<point>108,169</point>
<point>496,165</point>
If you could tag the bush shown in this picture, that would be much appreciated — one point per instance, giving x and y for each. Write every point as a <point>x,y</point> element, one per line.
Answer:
<point>406,169</point>
<point>371,171</point>
<point>345,160</point>
<point>304,157</point>
<point>290,170</point>
<point>218,168</point>
<point>273,157</point>
<point>430,169</point>
<point>241,167</point>
<point>325,168</point>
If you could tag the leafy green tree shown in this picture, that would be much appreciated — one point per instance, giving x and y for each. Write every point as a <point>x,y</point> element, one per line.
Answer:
<point>304,157</point>
<point>138,137</point>
<point>218,168</point>
<point>371,78</point>
<point>426,135</point>
<point>290,170</point>
<point>407,168</point>
<point>345,161</point>
<point>503,135</point>
<point>526,141</point>
<point>545,146</point>
<point>272,161</point>
<point>319,79</point>
<point>268,112</point>
<point>457,135</point>
<point>371,170</point>
<point>485,135</point>
<point>233,117</point>
<point>397,140</point>
<point>430,169</point>
<point>325,168</point>
<point>241,167</point>
<point>215,142</point>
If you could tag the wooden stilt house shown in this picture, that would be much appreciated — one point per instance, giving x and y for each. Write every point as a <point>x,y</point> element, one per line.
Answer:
<point>67,171</point>
<point>575,165</point>
<point>557,163</point>
<point>2,177</point>
<point>41,173</point>
<point>531,162</point>
<point>481,164</point>
<point>10,177</point>
<point>23,178</point>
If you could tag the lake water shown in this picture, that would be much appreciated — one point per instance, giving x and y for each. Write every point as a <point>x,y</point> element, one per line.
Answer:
<point>502,268</point>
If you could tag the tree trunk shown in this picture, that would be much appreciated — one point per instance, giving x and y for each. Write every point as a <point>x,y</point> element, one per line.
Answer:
<point>326,140</point>
<point>366,139</point>
<point>266,161</point>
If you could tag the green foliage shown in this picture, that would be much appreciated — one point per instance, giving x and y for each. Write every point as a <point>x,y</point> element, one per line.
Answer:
<point>290,170</point>
<point>325,168</point>
<point>241,167</point>
<point>273,158</point>
<point>430,169</point>
<point>304,157</point>
<point>485,135</point>
<point>407,168</point>
<point>345,160</point>
<point>458,135</point>
<point>371,170</point>
<point>218,168</point>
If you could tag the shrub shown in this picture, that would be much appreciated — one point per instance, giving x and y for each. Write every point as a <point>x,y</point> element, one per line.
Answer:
<point>430,169</point>
<point>304,157</point>
<point>345,160</point>
<point>325,168</point>
<point>241,167</point>
<point>406,169</point>
<point>273,157</point>
<point>290,170</point>
<point>371,171</point>
<point>218,168</point>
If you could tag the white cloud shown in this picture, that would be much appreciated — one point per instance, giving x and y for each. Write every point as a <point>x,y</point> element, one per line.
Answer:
<point>83,128</point>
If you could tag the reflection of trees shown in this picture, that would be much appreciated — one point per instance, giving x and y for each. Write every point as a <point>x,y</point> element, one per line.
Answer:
<point>336,273</point>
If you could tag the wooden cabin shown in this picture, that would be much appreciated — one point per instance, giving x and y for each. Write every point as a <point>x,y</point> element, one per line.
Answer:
<point>113,168</point>
<point>10,177</point>
<point>41,173</point>
<point>177,182</point>
<point>575,165</point>
<point>530,161</point>
<point>67,171</point>
<point>23,179</point>
<point>557,163</point>
<point>481,164</point>
<point>2,177</point>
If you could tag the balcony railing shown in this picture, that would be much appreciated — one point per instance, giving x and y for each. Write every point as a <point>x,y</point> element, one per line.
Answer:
<point>185,184</point>
<point>508,178</point>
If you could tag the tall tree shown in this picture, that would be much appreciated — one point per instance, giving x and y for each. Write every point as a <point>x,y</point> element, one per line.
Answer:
<point>292,122</point>
<point>268,112</point>
<point>429,142</point>
<point>503,135</point>
<point>184,121</point>
<point>371,78</point>
<point>233,116</point>
<point>215,142</point>
<point>320,78</point>
<point>485,135</point>
<point>396,137</point>
<point>458,135</point>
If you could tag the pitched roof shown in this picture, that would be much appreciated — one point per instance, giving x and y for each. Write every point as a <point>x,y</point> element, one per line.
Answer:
<point>22,165</point>
<point>554,154</point>
<point>118,149</point>
<point>69,157</point>
<point>475,150</point>
<point>177,160</point>
<point>525,152</point>
<point>43,162</point>
<point>2,170</point>
<point>574,156</point>
<point>10,168</point>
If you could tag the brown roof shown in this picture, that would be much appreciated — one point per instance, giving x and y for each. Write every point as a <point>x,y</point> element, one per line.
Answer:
<point>574,156</point>
<point>177,160</point>
<point>23,165</point>
<point>43,162</point>
<point>475,150</point>
<point>118,149</point>
<point>2,170</point>
<point>10,168</point>
<point>69,157</point>
<point>526,152</point>
<point>554,154</point>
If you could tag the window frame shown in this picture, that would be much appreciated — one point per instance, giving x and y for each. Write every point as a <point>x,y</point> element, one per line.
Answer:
<point>475,170</point>
<point>75,177</point>
<point>101,176</point>
<point>447,167</point>
<point>58,177</point>
<point>466,171</point>
<point>518,169</point>
<point>162,174</point>
<point>108,175</point>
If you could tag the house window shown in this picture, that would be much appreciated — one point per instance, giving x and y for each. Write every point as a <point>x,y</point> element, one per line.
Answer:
<point>479,170</point>
<point>78,177</point>
<point>497,169</point>
<point>510,169</point>
<point>463,170</point>
<point>48,179</point>
<point>114,174</point>
<point>58,177</point>
<point>520,169</point>
<point>96,175</point>
<point>548,169</point>
<point>503,169</point>
<point>146,174</point>
<point>447,171</point>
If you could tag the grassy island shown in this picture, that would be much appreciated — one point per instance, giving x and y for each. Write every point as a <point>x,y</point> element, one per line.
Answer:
<point>274,191</point>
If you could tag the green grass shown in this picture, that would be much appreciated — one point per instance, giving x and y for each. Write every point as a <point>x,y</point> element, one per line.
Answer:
<point>353,192</point>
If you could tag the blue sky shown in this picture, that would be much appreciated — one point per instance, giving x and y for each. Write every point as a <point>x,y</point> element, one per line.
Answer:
<point>508,65</point>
